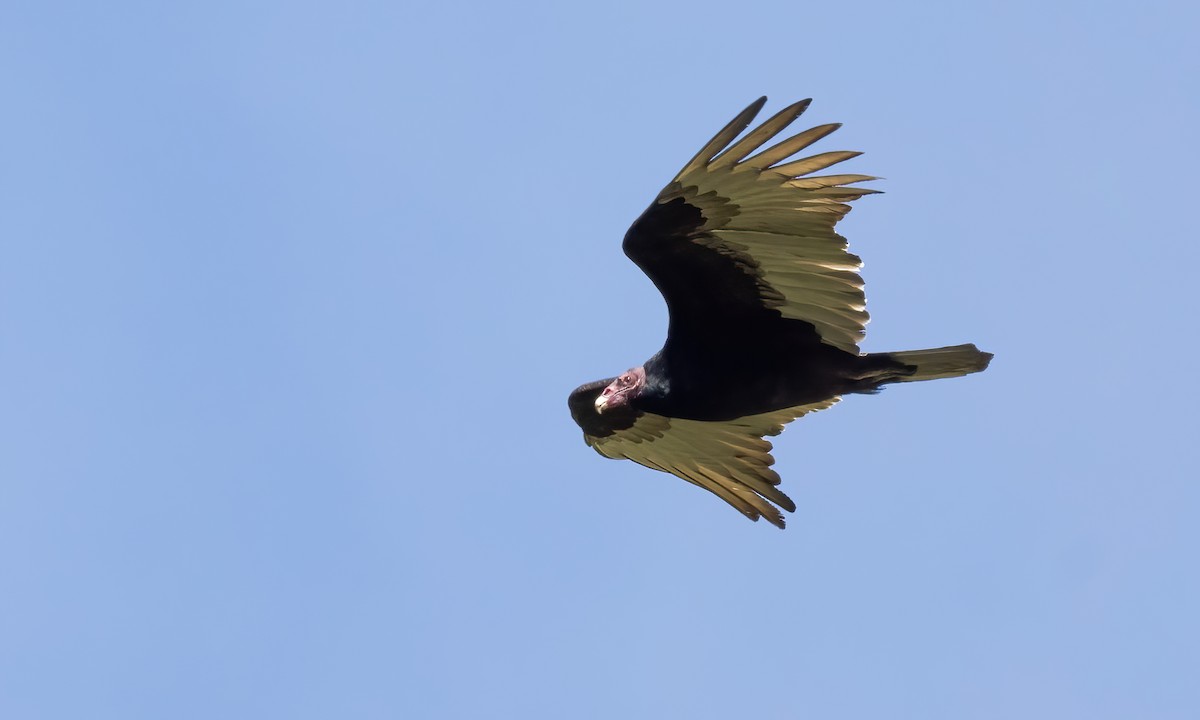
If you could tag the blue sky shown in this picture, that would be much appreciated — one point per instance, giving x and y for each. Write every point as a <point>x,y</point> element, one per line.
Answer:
<point>292,295</point>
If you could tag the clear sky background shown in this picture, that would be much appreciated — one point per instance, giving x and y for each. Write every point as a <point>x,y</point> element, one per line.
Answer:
<point>292,296</point>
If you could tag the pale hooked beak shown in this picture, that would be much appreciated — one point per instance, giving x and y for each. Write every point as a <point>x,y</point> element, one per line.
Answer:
<point>601,403</point>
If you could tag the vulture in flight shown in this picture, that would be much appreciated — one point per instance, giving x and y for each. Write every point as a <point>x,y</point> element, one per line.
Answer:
<point>766,312</point>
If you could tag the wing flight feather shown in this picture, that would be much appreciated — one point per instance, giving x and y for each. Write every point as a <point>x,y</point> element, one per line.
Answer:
<point>759,235</point>
<point>730,459</point>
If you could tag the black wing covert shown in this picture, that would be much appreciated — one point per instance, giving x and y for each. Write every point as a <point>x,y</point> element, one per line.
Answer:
<point>736,237</point>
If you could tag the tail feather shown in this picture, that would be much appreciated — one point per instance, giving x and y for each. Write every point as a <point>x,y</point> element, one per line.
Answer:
<point>945,362</point>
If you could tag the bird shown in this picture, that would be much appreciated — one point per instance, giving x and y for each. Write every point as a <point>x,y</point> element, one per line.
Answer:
<point>766,311</point>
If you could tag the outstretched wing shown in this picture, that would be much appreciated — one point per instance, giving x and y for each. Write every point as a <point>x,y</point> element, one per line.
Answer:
<point>735,236</point>
<point>729,459</point>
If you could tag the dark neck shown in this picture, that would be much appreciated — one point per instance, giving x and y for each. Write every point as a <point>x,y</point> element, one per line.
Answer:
<point>657,388</point>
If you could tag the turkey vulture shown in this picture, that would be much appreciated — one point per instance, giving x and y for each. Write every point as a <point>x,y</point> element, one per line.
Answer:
<point>766,311</point>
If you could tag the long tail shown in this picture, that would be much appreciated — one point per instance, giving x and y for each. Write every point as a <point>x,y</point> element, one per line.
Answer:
<point>946,362</point>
